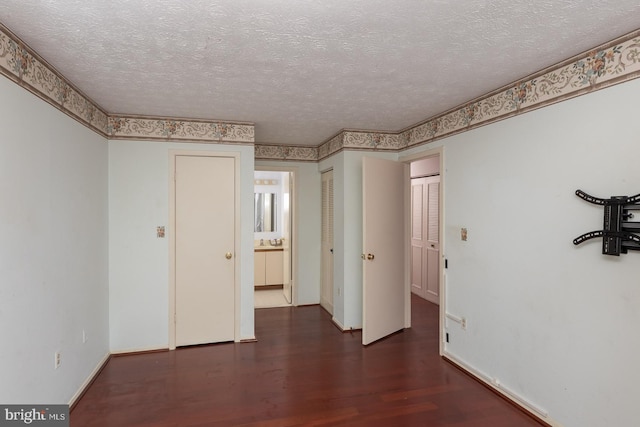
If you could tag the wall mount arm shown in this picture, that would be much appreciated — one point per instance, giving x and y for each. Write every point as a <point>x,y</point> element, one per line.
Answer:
<point>618,233</point>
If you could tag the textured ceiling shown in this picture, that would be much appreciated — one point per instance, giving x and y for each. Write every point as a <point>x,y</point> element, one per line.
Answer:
<point>303,70</point>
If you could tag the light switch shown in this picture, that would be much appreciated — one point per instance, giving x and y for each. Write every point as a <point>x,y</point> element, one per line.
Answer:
<point>463,234</point>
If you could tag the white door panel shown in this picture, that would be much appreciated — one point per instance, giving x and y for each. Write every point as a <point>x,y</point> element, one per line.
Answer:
<point>287,286</point>
<point>432,263</point>
<point>416,270</point>
<point>418,237</point>
<point>383,248</point>
<point>326,292</point>
<point>204,251</point>
<point>424,237</point>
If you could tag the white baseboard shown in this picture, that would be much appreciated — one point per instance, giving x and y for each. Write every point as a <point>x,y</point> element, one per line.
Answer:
<point>89,379</point>
<point>326,305</point>
<point>338,324</point>
<point>342,327</point>
<point>522,402</point>
<point>138,350</point>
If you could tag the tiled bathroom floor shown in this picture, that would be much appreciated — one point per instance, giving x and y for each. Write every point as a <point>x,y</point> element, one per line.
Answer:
<point>267,298</point>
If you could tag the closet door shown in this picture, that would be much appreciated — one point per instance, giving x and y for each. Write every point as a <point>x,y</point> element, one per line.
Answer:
<point>418,237</point>
<point>204,249</point>
<point>425,241</point>
<point>326,293</point>
<point>432,262</point>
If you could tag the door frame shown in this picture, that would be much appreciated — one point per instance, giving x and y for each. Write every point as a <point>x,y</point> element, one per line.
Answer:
<point>293,213</point>
<point>439,151</point>
<point>172,237</point>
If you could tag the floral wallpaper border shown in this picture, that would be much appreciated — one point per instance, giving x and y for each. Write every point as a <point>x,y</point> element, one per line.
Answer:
<point>163,129</point>
<point>25,67</point>
<point>603,66</point>
<point>612,63</point>
<point>286,152</point>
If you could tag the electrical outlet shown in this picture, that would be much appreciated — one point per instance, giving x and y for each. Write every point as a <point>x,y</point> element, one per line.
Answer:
<point>57,359</point>
<point>84,336</point>
<point>463,322</point>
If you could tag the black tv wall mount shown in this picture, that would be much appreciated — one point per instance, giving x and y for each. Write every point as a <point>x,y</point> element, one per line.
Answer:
<point>619,234</point>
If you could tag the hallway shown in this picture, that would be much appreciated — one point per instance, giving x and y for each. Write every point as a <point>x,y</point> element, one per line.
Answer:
<point>302,371</point>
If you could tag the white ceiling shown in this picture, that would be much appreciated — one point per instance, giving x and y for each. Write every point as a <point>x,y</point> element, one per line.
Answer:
<point>302,70</point>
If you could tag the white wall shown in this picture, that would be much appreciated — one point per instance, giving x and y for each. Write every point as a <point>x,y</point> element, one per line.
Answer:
<point>425,167</point>
<point>53,250</point>
<point>552,322</point>
<point>139,261</point>
<point>307,203</point>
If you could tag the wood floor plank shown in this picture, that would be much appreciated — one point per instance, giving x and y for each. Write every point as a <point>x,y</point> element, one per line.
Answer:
<point>302,371</point>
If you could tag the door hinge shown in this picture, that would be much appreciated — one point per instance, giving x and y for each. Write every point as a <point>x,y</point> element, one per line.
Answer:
<point>446,263</point>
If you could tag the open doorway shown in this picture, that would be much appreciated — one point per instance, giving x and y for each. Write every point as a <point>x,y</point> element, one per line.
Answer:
<point>427,164</point>
<point>273,238</point>
<point>386,189</point>
<point>425,226</point>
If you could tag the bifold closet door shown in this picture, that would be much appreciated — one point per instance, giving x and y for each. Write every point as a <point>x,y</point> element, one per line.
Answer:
<point>326,292</point>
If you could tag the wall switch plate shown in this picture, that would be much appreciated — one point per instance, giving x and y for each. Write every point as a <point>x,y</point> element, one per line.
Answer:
<point>160,231</point>
<point>463,234</point>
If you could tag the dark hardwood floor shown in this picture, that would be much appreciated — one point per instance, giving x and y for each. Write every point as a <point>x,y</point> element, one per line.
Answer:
<point>302,372</point>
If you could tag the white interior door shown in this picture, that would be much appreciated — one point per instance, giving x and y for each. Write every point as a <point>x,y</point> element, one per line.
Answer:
<point>418,237</point>
<point>432,264</point>
<point>383,292</point>
<point>425,244</point>
<point>286,234</point>
<point>204,251</point>
<point>326,292</point>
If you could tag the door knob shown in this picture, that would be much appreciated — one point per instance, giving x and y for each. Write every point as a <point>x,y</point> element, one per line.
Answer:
<point>228,255</point>
<point>370,257</point>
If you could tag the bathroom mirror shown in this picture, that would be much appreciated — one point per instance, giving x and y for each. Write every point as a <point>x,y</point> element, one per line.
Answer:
<point>265,212</point>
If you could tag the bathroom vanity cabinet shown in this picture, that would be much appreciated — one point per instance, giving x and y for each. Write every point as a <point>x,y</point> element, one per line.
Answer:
<point>268,266</point>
